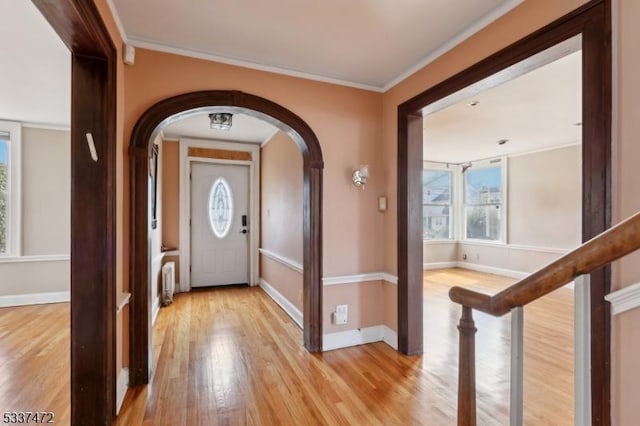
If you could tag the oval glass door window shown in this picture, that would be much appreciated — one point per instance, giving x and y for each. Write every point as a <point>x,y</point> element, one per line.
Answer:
<point>220,208</point>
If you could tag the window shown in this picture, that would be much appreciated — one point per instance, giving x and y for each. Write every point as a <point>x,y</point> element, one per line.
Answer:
<point>436,204</point>
<point>484,201</point>
<point>10,134</point>
<point>4,190</point>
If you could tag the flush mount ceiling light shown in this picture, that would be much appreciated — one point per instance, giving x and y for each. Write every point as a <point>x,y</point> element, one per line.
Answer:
<point>473,103</point>
<point>503,141</point>
<point>221,120</point>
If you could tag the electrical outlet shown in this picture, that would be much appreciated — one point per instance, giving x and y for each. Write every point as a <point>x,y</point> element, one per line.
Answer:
<point>341,314</point>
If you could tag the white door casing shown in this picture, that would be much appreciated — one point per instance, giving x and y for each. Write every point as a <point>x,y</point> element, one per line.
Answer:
<point>219,237</point>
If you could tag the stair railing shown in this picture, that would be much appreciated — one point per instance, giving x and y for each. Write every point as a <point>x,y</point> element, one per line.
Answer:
<point>600,251</point>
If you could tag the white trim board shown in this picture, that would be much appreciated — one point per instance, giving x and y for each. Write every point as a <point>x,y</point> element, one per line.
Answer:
<point>493,270</point>
<point>349,279</point>
<point>38,258</point>
<point>122,387</point>
<point>625,299</point>
<point>359,336</point>
<point>155,310</point>
<point>335,280</point>
<point>283,302</point>
<point>289,263</point>
<point>34,299</point>
<point>439,265</point>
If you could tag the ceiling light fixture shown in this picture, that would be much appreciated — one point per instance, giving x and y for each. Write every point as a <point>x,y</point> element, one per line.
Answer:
<point>221,120</point>
<point>503,141</point>
<point>578,124</point>
<point>473,103</point>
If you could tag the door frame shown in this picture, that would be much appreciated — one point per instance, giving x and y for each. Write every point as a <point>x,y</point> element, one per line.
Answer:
<point>144,132</point>
<point>185,206</point>
<point>93,207</point>
<point>593,21</point>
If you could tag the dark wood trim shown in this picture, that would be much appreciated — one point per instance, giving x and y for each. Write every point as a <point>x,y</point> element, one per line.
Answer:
<point>593,21</point>
<point>410,243</point>
<point>144,130</point>
<point>93,201</point>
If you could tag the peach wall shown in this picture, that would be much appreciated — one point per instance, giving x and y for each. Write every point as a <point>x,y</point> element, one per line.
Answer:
<point>626,151</point>
<point>284,279</point>
<point>170,193</point>
<point>346,121</point>
<point>281,198</point>
<point>366,305</point>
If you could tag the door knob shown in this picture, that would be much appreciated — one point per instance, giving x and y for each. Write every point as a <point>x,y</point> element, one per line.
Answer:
<point>244,231</point>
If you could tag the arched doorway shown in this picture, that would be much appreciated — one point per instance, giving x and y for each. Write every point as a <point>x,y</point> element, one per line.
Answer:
<point>145,129</point>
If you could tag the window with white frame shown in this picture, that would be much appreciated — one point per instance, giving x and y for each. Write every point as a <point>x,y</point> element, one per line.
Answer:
<point>10,134</point>
<point>436,204</point>
<point>484,191</point>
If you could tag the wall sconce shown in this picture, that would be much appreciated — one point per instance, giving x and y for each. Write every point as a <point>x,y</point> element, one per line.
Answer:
<point>360,175</point>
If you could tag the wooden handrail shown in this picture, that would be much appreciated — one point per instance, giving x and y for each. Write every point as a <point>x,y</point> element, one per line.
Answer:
<point>600,251</point>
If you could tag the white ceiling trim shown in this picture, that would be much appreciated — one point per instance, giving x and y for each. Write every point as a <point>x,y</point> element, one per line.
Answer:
<point>151,45</point>
<point>46,126</point>
<point>118,21</point>
<point>496,13</point>
<point>462,36</point>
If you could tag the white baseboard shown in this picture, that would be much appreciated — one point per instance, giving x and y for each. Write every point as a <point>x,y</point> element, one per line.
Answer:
<point>34,299</point>
<point>358,336</point>
<point>476,267</point>
<point>284,303</point>
<point>439,265</point>
<point>121,390</point>
<point>390,337</point>
<point>155,310</point>
<point>625,299</point>
<point>493,270</point>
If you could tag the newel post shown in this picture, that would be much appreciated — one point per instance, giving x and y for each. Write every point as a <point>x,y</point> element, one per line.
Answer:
<point>467,370</point>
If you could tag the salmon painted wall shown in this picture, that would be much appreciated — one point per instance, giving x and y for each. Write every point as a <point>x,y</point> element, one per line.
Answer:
<point>281,215</point>
<point>345,120</point>
<point>122,203</point>
<point>625,384</point>
<point>281,197</point>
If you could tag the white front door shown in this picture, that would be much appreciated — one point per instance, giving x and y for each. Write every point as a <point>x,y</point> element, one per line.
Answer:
<point>219,224</point>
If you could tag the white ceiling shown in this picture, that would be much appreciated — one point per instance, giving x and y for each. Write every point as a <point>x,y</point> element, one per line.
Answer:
<point>244,129</point>
<point>537,110</point>
<point>35,67</point>
<point>365,43</point>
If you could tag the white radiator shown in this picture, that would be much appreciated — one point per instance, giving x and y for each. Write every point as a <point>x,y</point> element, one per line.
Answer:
<point>168,282</point>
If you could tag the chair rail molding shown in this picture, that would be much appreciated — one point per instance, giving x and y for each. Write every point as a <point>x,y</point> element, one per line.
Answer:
<point>625,299</point>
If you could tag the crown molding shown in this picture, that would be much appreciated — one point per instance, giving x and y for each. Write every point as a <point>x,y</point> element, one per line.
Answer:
<point>453,42</point>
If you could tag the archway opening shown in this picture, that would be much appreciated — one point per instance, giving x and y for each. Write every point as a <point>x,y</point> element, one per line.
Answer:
<point>144,132</point>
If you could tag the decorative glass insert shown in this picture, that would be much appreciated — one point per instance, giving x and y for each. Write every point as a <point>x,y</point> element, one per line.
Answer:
<point>220,208</point>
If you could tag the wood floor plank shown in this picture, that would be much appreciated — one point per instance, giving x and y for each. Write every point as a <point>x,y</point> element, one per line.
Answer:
<point>231,356</point>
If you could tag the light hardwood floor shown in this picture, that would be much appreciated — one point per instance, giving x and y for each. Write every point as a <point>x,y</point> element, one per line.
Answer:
<point>34,359</point>
<point>549,347</point>
<point>229,356</point>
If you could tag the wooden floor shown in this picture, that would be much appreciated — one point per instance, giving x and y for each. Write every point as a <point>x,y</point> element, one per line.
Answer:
<point>34,359</point>
<point>549,348</point>
<point>232,356</point>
